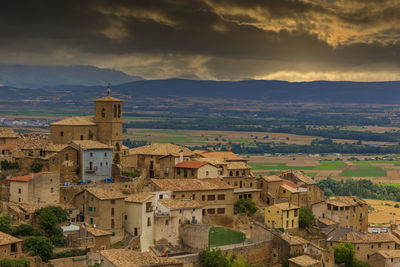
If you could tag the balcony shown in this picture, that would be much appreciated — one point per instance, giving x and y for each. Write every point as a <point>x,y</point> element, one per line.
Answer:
<point>149,209</point>
<point>93,169</point>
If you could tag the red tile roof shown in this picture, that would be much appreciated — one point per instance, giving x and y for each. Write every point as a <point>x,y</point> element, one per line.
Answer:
<point>25,178</point>
<point>286,182</point>
<point>191,164</point>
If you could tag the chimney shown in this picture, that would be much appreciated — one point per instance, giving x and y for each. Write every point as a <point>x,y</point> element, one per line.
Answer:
<point>180,156</point>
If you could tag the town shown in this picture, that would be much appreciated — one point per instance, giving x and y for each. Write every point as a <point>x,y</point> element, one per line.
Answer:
<point>81,198</point>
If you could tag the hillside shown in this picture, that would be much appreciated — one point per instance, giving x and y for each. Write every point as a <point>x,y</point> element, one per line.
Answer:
<point>25,76</point>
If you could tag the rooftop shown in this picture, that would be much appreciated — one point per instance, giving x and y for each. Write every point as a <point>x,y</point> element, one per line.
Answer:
<point>293,240</point>
<point>388,254</point>
<point>33,141</point>
<point>139,197</point>
<point>97,232</point>
<point>191,184</point>
<point>24,178</point>
<point>245,190</point>
<point>161,149</point>
<point>130,258</point>
<point>327,221</point>
<point>8,239</point>
<point>344,234</point>
<point>105,194</point>
<point>289,188</point>
<point>177,204</point>
<point>90,144</point>
<point>108,98</point>
<point>345,201</point>
<point>224,155</point>
<point>189,164</point>
<point>8,133</point>
<point>304,260</point>
<point>237,165</point>
<point>300,176</point>
<point>271,178</point>
<point>76,121</point>
<point>286,206</point>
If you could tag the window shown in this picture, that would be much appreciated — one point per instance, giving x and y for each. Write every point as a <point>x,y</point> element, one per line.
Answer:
<point>112,223</point>
<point>81,137</point>
<point>180,221</point>
<point>115,111</point>
<point>178,171</point>
<point>230,173</point>
<point>13,248</point>
<point>251,184</point>
<point>166,222</point>
<point>160,197</point>
<point>287,224</point>
<point>51,190</point>
<point>148,221</point>
<point>19,199</point>
<point>91,154</point>
<point>105,154</point>
<point>19,190</point>
<point>203,198</point>
<point>61,133</point>
<point>119,110</point>
<point>221,197</point>
<point>295,213</point>
<point>206,173</point>
<point>66,156</point>
<point>192,173</point>
<point>210,197</point>
<point>103,112</point>
<point>126,217</point>
<point>112,211</point>
<point>90,208</point>
<point>91,220</point>
<point>237,173</point>
<point>211,211</point>
<point>193,196</point>
<point>221,211</point>
<point>112,201</point>
<point>292,223</point>
<point>180,211</point>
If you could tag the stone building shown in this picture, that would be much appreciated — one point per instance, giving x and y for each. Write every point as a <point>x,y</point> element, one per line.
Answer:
<point>170,214</point>
<point>306,185</point>
<point>247,193</point>
<point>139,218</point>
<point>10,247</point>
<point>385,258</point>
<point>100,239</point>
<point>195,169</point>
<point>8,143</point>
<point>270,186</point>
<point>216,196</point>
<point>365,244</point>
<point>35,188</point>
<point>126,257</point>
<point>304,261</point>
<point>350,212</point>
<point>158,159</point>
<point>105,126</point>
<point>283,215</point>
<point>103,209</point>
<point>95,160</point>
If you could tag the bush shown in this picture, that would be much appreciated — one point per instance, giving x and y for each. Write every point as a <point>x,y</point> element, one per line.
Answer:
<point>212,258</point>
<point>15,262</point>
<point>130,173</point>
<point>8,165</point>
<point>48,218</point>
<point>396,206</point>
<point>306,216</point>
<point>5,224</point>
<point>71,253</point>
<point>39,246</point>
<point>247,206</point>
<point>37,167</point>
<point>24,230</point>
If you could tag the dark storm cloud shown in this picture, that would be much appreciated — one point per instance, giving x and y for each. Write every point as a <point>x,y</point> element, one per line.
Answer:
<point>209,39</point>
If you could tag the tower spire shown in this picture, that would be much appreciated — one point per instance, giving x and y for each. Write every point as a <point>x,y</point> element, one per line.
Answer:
<point>108,89</point>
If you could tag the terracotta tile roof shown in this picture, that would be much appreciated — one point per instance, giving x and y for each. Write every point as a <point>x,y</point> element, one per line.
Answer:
<point>8,239</point>
<point>199,151</point>
<point>286,206</point>
<point>161,149</point>
<point>214,161</point>
<point>177,204</point>
<point>189,164</point>
<point>237,165</point>
<point>75,121</point>
<point>224,155</point>
<point>90,144</point>
<point>96,231</point>
<point>139,197</point>
<point>245,190</point>
<point>8,133</point>
<point>301,176</point>
<point>34,141</point>
<point>271,178</point>
<point>388,254</point>
<point>327,221</point>
<point>24,178</point>
<point>289,183</point>
<point>104,194</point>
<point>289,188</point>
<point>304,260</point>
<point>130,258</point>
<point>179,185</point>
<point>108,98</point>
<point>293,240</point>
<point>345,201</point>
<point>342,235</point>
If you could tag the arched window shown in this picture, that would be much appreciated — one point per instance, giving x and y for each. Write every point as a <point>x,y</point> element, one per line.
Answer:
<point>230,173</point>
<point>103,112</point>
<point>237,173</point>
<point>119,110</point>
<point>115,111</point>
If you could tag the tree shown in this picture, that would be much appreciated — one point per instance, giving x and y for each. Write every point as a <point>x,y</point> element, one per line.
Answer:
<point>212,258</point>
<point>15,262</point>
<point>5,224</point>
<point>247,206</point>
<point>24,230</point>
<point>344,253</point>
<point>39,246</point>
<point>306,216</point>
<point>37,167</point>
<point>48,218</point>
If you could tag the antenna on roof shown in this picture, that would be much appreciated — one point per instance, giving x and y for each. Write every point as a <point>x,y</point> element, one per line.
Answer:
<point>108,89</point>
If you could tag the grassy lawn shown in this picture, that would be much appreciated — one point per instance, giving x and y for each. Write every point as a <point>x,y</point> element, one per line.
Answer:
<point>364,171</point>
<point>220,236</point>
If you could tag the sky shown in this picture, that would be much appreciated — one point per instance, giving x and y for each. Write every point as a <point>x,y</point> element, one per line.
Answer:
<point>294,40</point>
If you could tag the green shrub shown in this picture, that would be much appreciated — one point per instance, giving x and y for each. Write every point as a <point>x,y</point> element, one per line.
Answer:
<point>8,165</point>
<point>71,253</point>
<point>37,167</point>
<point>15,262</point>
<point>306,216</point>
<point>130,173</point>
<point>247,206</point>
<point>24,230</point>
<point>5,225</point>
<point>39,246</point>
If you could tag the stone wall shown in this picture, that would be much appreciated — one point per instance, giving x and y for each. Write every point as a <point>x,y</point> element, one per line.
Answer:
<point>194,236</point>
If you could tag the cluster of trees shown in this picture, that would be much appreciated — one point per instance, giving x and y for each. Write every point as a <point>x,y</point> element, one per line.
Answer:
<point>344,253</point>
<point>214,257</point>
<point>37,167</point>
<point>132,143</point>
<point>49,218</point>
<point>247,206</point>
<point>8,165</point>
<point>306,216</point>
<point>363,188</point>
<point>23,262</point>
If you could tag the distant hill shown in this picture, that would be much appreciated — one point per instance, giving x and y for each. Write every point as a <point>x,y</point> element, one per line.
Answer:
<point>28,76</point>
<point>269,91</point>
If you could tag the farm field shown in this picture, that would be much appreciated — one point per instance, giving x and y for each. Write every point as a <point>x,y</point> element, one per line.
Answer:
<point>382,213</point>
